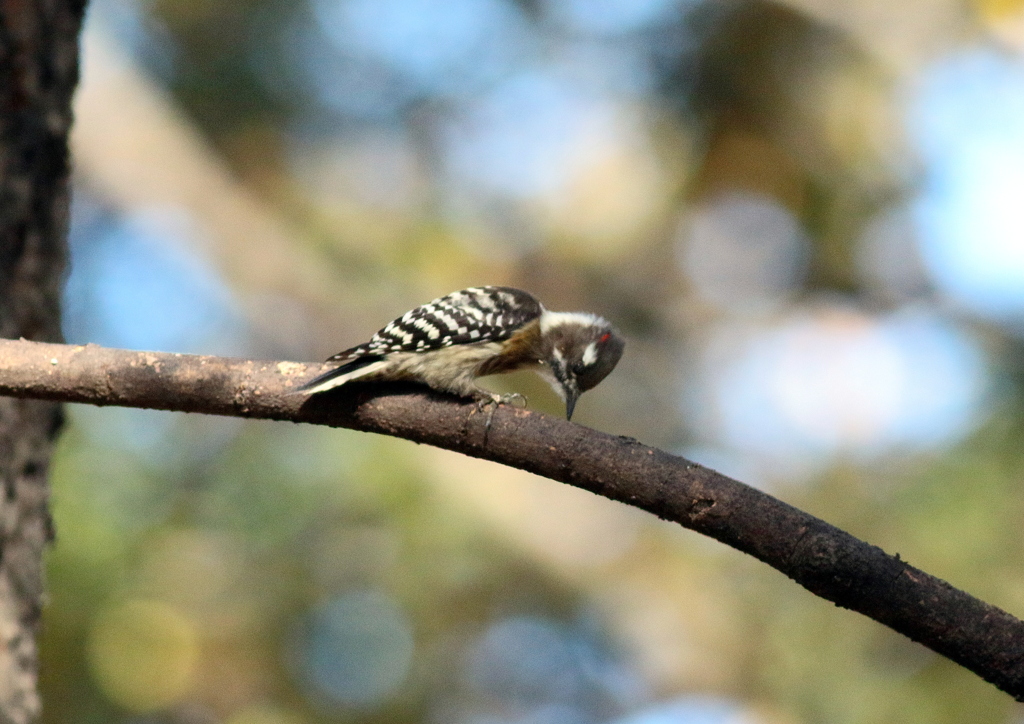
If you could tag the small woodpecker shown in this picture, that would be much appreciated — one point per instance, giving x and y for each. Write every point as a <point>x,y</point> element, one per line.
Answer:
<point>451,341</point>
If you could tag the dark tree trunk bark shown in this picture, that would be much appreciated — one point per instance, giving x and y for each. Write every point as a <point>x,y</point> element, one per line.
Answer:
<point>38,73</point>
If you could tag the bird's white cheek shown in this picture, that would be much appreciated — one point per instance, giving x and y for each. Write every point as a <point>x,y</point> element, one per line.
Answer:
<point>590,354</point>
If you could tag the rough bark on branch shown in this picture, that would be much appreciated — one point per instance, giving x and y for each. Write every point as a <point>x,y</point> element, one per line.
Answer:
<point>827,561</point>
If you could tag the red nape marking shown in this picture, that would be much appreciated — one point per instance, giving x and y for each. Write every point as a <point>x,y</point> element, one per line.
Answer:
<point>605,338</point>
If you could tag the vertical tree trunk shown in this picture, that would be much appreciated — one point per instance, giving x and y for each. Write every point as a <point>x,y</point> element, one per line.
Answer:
<point>38,73</point>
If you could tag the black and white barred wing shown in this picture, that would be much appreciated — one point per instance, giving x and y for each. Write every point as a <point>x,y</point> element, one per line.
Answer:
<point>470,316</point>
<point>477,314</point>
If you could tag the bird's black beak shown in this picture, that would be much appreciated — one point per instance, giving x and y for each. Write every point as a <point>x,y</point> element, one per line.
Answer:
<point>572,393</point>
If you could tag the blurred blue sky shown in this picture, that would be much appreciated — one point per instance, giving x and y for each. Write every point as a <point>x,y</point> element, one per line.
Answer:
<point>138,282</point>
<point>968,122</point>
<point>612,17</point>
<point>831,382</point>
<point>691,710</point>
<point>356,650</point>
<point>438,46</point>
<point>520,138</point>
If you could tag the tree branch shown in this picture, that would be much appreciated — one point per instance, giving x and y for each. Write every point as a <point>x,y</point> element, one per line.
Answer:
<point>827,561</point>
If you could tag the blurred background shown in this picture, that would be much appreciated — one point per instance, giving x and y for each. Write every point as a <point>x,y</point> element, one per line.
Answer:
<point>807,216</point>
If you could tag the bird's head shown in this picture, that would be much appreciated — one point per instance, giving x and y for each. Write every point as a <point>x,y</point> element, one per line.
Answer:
<point>578,351</point>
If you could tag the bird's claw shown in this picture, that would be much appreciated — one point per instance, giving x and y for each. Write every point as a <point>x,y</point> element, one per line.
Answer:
<point>491,404</point>
<point>511,398</point>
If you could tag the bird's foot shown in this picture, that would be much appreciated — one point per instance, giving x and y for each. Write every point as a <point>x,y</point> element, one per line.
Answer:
<point>491,402</point>
<point>511,399</point>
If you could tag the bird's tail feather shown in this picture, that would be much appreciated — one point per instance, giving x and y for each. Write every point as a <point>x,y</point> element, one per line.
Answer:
<point>356,369</point>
